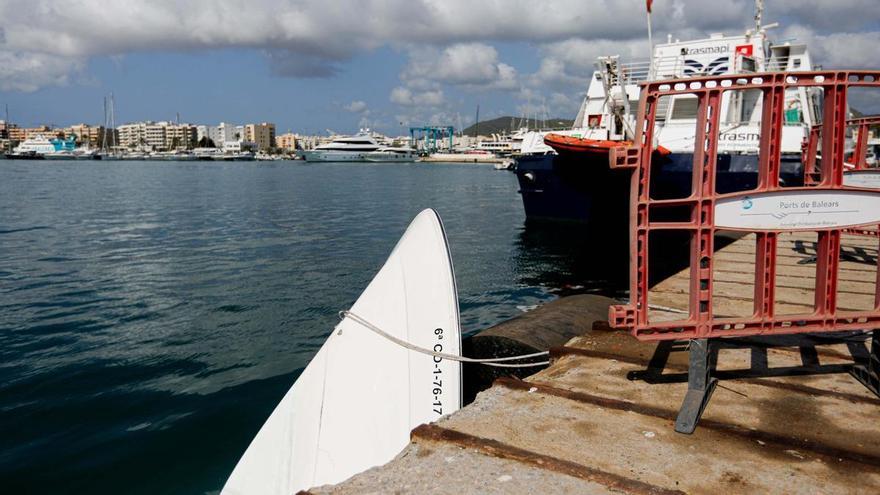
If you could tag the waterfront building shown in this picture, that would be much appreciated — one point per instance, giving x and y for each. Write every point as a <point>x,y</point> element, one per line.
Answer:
<point>286,142</point>
<point>180,136</point>
<point>220,134</point>
<point>263,135</point>
<point>19,134</point>
<point>238,146</point>
<point>93,135</point>
<point>4,129</point>
<point>202,132</point>
<point>157,135</point>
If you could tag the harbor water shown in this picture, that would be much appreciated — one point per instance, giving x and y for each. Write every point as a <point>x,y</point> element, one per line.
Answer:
<point>153,314</point>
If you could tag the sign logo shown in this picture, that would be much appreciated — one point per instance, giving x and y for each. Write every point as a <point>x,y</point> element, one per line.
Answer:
<point>747,203</point>
<point>705,50</point>
<point>715,68</point>
<point>746,50</point>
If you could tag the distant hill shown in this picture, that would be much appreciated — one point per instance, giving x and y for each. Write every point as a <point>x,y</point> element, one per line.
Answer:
<point>508,124</point>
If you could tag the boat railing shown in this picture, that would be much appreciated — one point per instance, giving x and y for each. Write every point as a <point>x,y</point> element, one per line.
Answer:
<point>673,67</point>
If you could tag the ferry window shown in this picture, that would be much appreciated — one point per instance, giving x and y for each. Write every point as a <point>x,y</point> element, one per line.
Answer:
<point>684,109</point>
<point>797,63</point>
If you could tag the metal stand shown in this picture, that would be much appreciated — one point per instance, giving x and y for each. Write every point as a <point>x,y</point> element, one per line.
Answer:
<point>701,384</point>
<point>869,373</point>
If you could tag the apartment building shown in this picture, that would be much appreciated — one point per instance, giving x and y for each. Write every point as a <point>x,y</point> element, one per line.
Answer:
<point>19,134</point>
<point>263,135</point>
<point>286,142</point>
<point>157,135</point>
<point>93,135</point>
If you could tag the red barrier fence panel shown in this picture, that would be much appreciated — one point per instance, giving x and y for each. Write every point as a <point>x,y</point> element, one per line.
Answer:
<point>826,208</point>
<point>858,172</point>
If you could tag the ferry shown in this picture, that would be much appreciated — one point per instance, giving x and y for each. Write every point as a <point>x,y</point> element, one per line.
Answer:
<point>39,147</point>
<point>560,182</point>
<point>344,149</point>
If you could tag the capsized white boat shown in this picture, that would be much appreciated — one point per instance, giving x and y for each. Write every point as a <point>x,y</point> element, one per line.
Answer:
<point>356,402</point>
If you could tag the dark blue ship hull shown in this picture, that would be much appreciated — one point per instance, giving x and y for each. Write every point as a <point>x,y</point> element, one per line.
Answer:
<point>581,188</point>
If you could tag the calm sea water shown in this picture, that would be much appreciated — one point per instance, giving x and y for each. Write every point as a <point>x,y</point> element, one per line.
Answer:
<point>153,314</point>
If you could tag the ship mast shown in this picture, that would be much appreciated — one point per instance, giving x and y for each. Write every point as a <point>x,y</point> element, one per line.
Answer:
<point>759,15</point>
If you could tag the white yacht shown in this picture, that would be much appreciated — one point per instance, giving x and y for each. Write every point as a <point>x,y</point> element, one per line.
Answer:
<point>344,149</point>
<point>391,154</point>
<point>38,144</point>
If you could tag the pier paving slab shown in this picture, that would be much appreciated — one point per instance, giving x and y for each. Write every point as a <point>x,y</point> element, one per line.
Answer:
<point>441,468</point>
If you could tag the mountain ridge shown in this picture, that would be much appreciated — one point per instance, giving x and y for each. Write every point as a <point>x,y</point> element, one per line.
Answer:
<point>508,124</point>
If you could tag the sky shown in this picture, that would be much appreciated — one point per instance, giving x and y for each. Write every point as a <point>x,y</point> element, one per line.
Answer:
<point>315,65</point>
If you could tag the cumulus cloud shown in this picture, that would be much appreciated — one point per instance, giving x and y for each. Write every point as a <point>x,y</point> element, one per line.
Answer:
<point>21,71</point>
<point>840,50</point>
<point>469,65</point>
<point>356,106</point>
<point>407,97</point>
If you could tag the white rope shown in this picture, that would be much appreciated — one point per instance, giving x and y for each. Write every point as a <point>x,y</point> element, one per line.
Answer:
<point>497,362</point>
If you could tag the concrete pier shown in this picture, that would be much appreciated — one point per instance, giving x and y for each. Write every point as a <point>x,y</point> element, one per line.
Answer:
<point>786,416</point>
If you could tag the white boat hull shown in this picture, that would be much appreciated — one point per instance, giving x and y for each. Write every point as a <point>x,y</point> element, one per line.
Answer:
<point>389,158</point>
<point>335,156</point>
<point>357,401</point>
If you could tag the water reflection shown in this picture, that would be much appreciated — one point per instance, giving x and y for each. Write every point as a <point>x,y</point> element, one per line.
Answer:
<point>566,259</point>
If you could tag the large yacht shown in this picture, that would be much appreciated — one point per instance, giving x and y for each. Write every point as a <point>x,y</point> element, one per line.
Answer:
<point>344,149</point>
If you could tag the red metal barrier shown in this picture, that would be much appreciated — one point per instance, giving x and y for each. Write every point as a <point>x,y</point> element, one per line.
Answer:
<point>858,160</point>
<point>826,208</point>
<point>859,172</point>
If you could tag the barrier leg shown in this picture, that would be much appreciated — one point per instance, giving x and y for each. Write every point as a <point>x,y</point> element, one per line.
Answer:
<point>869,373</point>
<point>700,386</point>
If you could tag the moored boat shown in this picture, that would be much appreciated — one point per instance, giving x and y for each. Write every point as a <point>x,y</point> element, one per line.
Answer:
<point>344,149</point>
<point>571,180</point>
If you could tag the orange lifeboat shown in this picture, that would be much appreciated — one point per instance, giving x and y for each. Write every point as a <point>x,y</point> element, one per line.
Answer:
<point>573,144</point>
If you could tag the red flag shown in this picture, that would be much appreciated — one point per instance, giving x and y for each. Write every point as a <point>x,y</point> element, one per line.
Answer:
<point>648,3</point>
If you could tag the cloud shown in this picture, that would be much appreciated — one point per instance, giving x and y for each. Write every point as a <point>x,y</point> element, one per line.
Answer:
<point>407,97</point>
<point>356,106</point>
<point>22,71</point>
<point>450,46</point>
<point>471,66</point>
<point>311,38</point>
<point>839,50</point>
<point>849,15</point>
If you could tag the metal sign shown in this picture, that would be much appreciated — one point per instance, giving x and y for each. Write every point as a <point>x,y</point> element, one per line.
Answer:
<point>798,210</point>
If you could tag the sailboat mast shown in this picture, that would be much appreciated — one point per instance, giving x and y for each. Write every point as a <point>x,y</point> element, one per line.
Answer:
<point>477,125</point>
<point>104,137</point>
